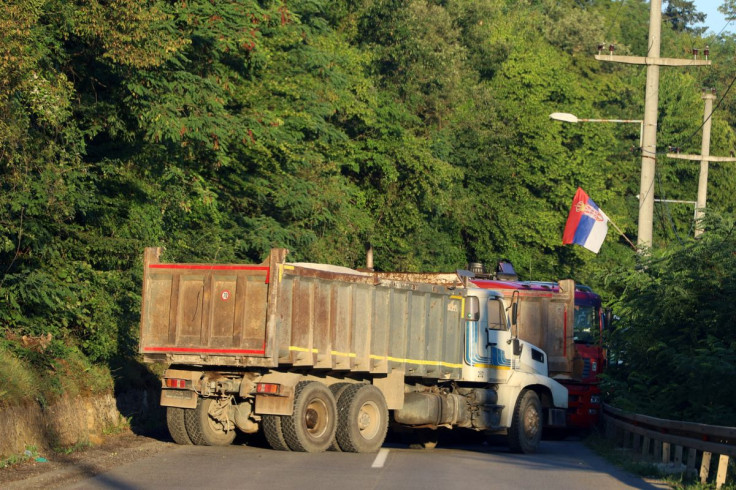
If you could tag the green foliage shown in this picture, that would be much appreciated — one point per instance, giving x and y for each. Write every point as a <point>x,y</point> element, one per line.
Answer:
<point>675,343</point>
<point>219,130</point>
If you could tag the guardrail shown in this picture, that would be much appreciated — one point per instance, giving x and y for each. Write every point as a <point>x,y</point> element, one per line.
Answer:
<point>669,441</point>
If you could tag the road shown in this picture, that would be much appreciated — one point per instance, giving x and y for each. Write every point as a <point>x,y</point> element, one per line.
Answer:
<point>557,465</point>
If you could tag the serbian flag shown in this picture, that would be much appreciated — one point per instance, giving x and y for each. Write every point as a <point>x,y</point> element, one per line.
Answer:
<point>586,225</point>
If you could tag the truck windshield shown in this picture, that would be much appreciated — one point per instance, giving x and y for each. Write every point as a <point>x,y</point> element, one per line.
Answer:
<point>586,324</point>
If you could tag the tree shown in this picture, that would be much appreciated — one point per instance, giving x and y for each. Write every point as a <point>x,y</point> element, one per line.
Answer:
<point>675,341</point>
<point>682,16</point>
<point>728,8</point>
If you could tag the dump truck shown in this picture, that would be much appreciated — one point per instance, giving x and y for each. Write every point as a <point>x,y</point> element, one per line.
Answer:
<point>321,357</point>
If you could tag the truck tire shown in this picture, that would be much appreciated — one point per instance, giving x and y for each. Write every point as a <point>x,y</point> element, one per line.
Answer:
<point>177,428</point>
<point>271,425</point>
<point>337,389</point>
<point>362,419</point>
<point>526,426</point>
<point>311,427</point>
<point>202,426</point>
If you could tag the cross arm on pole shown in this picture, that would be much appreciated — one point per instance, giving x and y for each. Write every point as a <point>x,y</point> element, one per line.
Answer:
<point>647,60</point>
<point>700,158</point>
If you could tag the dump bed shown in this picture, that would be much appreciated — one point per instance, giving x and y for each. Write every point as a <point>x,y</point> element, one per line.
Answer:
<point>311,316</point>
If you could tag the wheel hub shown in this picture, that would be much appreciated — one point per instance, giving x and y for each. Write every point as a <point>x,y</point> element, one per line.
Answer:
<point>531,423</point>
<point>316,418</point>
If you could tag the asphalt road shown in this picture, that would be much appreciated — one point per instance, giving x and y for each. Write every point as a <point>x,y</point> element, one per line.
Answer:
<point>557,465</point>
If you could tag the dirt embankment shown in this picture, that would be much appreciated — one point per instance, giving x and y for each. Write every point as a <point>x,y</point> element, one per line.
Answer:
<point>75,438</point>
<point>70,422</point>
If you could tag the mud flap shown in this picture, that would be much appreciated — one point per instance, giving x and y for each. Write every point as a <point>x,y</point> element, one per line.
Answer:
<point>178,398</point>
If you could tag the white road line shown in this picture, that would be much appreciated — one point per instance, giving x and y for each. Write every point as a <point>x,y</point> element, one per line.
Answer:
<point>380,458</point>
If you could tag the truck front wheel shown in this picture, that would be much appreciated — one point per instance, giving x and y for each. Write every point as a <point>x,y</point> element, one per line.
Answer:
<point>311,427</point>
<point>526,426</point>
<point>206,424</point>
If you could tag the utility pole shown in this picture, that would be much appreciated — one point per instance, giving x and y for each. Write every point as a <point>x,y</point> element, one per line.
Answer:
<point>704,158</point>
<point>651,102</point>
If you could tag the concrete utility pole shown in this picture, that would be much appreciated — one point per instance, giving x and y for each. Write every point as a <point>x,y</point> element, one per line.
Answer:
<point>649,143</point>
<point>704,157</point>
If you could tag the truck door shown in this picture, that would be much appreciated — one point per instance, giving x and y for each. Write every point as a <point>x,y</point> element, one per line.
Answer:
<point>498,341</point>
<point>488,348</point>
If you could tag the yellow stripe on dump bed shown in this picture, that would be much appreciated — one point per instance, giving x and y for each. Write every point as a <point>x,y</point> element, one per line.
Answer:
<point>381,358</point>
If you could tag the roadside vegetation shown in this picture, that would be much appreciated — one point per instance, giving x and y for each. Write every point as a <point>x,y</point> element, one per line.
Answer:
<point>221,129</point>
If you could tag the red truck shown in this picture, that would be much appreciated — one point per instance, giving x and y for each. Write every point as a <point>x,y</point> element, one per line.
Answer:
<point>566,320</point>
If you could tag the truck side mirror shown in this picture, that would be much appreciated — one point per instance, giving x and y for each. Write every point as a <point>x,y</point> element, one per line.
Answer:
<point>472,309</point>
<point>515,308</point>
<point>608,319</point>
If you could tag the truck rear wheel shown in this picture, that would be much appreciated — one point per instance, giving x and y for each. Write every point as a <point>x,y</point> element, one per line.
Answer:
<point>205,424</point>
<point>311,428</point>
<point>362,419</point>
<point>175,423</point>
<point>271,425</point>
<point>337,389</point>
<point>526,426</point>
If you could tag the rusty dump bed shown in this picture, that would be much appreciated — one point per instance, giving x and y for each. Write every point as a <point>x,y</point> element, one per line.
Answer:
<point>298,315</point>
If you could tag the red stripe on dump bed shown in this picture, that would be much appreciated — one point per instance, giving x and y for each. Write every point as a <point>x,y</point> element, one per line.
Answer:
<point>196,350</point>
<point>215,268</point>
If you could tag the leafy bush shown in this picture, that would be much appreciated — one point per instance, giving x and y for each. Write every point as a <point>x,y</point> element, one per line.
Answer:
<point>675,345</point>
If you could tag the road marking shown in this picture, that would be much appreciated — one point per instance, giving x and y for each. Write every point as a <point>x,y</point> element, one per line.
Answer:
<point>380,458</point>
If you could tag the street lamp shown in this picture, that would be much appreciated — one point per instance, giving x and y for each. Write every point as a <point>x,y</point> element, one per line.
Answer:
<point>572,118</point>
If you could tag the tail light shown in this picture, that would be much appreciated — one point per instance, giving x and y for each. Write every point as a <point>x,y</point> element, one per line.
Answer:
<point>176,383</point>
<point>268,388</point>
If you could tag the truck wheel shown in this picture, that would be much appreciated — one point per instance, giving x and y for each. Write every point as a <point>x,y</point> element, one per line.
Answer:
<point>205,426</point>
<point>311,428</point>
<point>337,389</point>
<point>274,433</point>
<point>175,423</point>
<point>526,426</point>
<point>362,419</point>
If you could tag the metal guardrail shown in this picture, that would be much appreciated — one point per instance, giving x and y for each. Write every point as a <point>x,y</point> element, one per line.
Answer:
<point>668,441</point>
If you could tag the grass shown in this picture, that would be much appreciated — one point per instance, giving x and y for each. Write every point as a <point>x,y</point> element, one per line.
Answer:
<point>43,377</point>
<point>123,426</point>
<point>17,380</point>
<point>30,453</point>
<point>80,446</point>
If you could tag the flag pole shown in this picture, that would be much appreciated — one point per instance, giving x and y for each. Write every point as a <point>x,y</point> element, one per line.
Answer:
<point>621,232</point>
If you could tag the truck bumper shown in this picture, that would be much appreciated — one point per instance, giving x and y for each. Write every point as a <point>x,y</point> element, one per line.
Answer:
<point>584,406</point>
